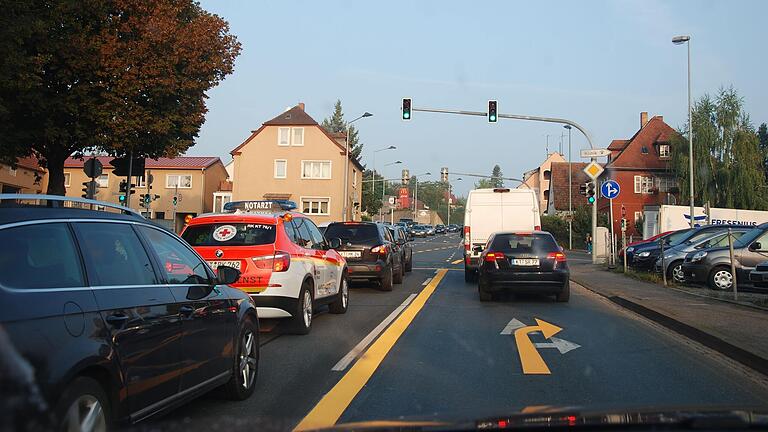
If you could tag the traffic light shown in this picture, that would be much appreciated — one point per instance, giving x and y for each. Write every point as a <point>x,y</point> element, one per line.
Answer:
<point>492,111</point>
<point>583,189</point>
<point>121,198</point>
<point>123,186</point>
<point>406,108</point>
<point>175,200</point>
<point>591,192</point>
<point>144,200</point>
<point>89,189</point>
<point>120,166</point>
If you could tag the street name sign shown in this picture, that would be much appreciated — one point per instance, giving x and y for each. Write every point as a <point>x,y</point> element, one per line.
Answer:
<point>590,153</point>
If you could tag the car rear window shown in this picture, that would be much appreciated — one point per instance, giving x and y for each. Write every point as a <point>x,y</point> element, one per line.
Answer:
<point>357,234</point>
<point>229,234</point>
<point>524,243</point>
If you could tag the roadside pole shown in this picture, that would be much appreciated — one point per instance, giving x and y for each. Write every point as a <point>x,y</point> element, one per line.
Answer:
<point>175,204</point>
<point>612,259</point>
<point>733,265</point>
<point>663,269</point>
<point>129,187</point>
<point>624,247</point>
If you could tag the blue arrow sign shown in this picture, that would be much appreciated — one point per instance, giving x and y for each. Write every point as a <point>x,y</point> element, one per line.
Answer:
<point>610,189</point>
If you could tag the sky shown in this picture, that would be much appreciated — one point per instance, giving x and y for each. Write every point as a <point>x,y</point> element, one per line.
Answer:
<point>598,63</point>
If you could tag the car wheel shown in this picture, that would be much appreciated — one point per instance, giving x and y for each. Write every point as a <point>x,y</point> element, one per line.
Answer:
<point>675,272</point>
<point>409,264</point>
<point>83,407</point>
<point>386,280</point>
<point>721,279</point>
<point>397,276</point>
<point>301,322</point>
<point>470,275</point>
<point>339,306</point>
<point>246,363</point>
<point>565,294</point>
<point>485,296</point>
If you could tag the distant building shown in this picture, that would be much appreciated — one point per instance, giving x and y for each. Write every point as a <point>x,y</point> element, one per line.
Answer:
<point>27,177</point>
<point>538,179</point>
<point>558,187</point>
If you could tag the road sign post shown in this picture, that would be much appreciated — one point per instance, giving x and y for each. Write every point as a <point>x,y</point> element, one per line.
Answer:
<point>92,168</point>
<point>610,189</point>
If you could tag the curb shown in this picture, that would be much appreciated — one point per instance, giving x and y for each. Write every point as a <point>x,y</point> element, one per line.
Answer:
<point>740,355</point>
<point>734,302</point>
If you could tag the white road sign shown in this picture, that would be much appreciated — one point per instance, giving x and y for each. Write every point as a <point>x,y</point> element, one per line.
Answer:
<point>590,153</point>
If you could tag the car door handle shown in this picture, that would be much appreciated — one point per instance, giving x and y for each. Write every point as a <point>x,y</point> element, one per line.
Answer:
<point>117,320</point>
<point>186,310</point>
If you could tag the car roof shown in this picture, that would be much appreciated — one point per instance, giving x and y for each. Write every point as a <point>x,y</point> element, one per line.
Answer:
<point>270,218</point>
<point>23,213</point>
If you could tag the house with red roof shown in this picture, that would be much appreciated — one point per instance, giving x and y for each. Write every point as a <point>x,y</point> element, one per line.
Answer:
<point>27,177</point>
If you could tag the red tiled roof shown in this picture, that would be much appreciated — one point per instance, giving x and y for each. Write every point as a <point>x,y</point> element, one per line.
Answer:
<point>181,162</point>
<point>30,162</point>
<point>617,144</point>
<point>294,116</point>
<point>631,156</point>
<point>559,184</point>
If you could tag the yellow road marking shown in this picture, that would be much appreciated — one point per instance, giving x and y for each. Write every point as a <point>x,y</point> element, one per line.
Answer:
<point>458,261</point>
<point>530,358</point>
<point>330,408</point>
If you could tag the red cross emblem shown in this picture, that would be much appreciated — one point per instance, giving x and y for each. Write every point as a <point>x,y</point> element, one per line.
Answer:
<point>225,232</point>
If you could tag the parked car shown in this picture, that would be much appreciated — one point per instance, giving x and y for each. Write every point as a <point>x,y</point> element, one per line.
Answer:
<point>452,228</point>
<point>759,276</point>
<point>369,249</point>
<point>116,316</point>
<point>523,263</point>
<point>675,256</point>
<point>713,266</point>
<point>403,246</point>
<point>430,230</point>
<point>645,256</point>
<point>419,230</point>
<point>633,245</point>
<point>440,229</point>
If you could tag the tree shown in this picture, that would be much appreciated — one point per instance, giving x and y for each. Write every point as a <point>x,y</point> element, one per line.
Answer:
<point>115,76</point>
<point>496,177</point>
<point>371,203</point>
<point>729,164</point>
<point>336,123</point>
<point>762,137</point>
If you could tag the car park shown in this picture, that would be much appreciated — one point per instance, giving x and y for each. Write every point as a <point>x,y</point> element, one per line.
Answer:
<point>712,266</point>
<point>403,246</point>
<point>288,267</point>
<point>675,256</point>
<point>529,262</point>
<point>369,249</point>
<point>128,320</point>
<point>644,256</point>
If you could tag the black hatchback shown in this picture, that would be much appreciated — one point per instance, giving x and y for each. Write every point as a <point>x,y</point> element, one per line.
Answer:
<point>371,252</point>
<point>111,319</point>
<point>530,262</point>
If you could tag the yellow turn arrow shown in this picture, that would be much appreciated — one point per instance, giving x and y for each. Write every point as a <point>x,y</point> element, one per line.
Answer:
<point>529,357</point>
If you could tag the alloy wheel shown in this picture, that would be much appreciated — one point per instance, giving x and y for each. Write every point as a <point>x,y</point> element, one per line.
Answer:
<point>85,414</point>
<point>677,274</point>
<point>248,360</point>
<point>307,309</point>
<point>344,292</point>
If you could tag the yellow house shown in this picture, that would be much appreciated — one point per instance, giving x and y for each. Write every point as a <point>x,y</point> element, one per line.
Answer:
<point>192,180</point>
<point>27,178</point>
<point>539,178</point>
<point>292,157</point>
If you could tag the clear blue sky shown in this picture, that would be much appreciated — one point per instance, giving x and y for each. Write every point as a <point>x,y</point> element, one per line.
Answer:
<point>599,63</point>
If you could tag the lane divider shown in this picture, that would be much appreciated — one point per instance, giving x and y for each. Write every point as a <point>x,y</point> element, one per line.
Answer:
<point>426,282</point>
<point>330,408</point>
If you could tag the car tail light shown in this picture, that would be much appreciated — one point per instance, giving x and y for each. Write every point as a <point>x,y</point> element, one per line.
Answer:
<point>466,238</point>
<point>537,228</point>
<point>381,250</point>
<point>493,256</point>
<point>279,262</point>
<point>557,256</point>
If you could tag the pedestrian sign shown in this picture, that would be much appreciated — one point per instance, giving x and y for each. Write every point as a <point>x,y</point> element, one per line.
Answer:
<point>593,170</point>
<point>610,189</point>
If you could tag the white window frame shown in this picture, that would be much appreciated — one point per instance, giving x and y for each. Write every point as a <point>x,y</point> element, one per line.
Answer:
<point>643,184</point>
<point>141,182</point>
<point>148,213</point>
<point>311,161</point>
<point>293,141</point>
<point>666,153</point>
<point>223,196</point>
<point>104,184</point>
<point>285,168</point>
<point>638,215</point>
<point>315,199</point>
<point>12,171</point>
<point>279,135</point>
<point>354,177</point>
<point>67,179</point>
<point>168,184</point>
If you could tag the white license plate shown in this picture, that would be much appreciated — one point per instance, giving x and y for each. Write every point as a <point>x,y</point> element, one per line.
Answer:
<point>215,264</point>
<point>525,261</point>
<point>350,254</point>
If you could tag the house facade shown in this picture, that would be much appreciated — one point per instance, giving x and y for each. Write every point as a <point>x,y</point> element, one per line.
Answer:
<point>292,157</point>
<point>26,178</point>
<point>539,178</point>
<point>558,187</point>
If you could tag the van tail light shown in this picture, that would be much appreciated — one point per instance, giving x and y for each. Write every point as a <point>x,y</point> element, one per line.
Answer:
<point>279,262</point>
<point>537,228</point>
<point>381,250</point>
<point>467,240</point>
<point>557,256</point>
<point>494,256</point>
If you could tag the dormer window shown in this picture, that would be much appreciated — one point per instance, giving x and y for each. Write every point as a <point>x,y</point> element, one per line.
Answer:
<point>664,150</point>
<point>644,150</point>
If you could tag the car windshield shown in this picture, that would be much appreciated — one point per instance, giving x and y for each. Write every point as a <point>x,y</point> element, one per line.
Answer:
<point>236,234</point>
<point>748,237</point>
<point>678,237</point>
<point>358,234</point>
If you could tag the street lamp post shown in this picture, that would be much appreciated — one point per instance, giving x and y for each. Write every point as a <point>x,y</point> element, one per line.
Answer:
<point>677,40</point>
<point>346,168</point>
<point>449,200</point>
<point>384,188</point>
<point>373,192</point>
<point>570,192</point>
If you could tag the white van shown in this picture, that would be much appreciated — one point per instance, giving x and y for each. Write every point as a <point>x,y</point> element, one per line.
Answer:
<point>492,210</point>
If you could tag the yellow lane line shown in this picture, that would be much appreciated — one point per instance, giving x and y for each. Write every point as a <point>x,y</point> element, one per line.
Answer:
<point>458,261</point>
<point>330,408</point>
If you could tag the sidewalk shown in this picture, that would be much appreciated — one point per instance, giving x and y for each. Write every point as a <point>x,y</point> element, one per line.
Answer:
<point>739,332</point>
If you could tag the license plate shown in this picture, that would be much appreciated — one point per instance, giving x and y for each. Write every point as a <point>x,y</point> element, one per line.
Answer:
<point>525,261</point>
<point>350,254</point>
<point>215,264</point>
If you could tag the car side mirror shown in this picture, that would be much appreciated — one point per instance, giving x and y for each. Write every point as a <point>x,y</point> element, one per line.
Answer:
<point>334,243</point>
<point>227,275</point>
<point>756,246</point>
<point>477,249</point>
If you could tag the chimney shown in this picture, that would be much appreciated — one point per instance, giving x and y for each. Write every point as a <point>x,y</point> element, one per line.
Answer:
<point>301,106</point>
<point>643,119</point>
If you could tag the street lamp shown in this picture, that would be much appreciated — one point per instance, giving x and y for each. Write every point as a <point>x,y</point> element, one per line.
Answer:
<point>570,192</point>
<point>374,165</point>
<point>449,200</point>
<point>383,186</point>
<point>346,167</point>
<point>678,40</point>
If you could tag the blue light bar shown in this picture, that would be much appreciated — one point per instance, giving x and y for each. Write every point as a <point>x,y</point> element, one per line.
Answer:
<point>260,206</point>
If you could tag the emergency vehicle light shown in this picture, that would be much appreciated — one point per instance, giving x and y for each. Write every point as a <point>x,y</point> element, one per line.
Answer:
<point>260,206</point>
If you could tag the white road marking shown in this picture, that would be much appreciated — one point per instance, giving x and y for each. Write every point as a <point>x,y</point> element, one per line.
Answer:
<point>426,282</point>
<point>512,325</point>
<point>562,345</point>
<point>363,344</point>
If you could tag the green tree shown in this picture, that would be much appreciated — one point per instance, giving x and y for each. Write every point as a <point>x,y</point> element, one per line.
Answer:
<point>336,123</point>
<point>729,164</point>
<point>496,177</point>
<point>371,202</point>
<point>557,227</point>
<point>762,137</point>
<point>115,76</point>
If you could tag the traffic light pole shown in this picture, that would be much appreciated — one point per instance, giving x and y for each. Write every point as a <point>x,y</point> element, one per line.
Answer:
<point>130,171</point>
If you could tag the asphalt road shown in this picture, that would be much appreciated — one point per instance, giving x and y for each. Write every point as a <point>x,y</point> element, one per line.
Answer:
<point>449,355</point>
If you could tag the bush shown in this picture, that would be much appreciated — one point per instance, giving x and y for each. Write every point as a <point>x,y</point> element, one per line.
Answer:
<point>557,227</point>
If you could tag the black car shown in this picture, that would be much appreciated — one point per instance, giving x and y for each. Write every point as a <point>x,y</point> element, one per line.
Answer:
<point>370,251</point>
<point>403,246</point>
<point>440,229</point>
<point>523,263</point>
<point>115,316</point>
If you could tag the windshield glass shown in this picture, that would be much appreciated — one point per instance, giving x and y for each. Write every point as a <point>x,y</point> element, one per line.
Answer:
<point>535,244</point>
<point>236,234</point>
<point>676,238</point>
<point>748,237</point>
<point>364,234</point>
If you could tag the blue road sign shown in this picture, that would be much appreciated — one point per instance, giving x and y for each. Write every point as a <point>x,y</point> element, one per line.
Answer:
<point>610,189</point>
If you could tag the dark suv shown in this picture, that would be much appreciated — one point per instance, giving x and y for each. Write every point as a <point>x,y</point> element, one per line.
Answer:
<point>114,316</point>
<point>369,249</point>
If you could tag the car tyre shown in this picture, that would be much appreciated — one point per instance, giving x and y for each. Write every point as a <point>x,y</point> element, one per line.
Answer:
<point>339,306</point>
<point>470,275</point>
<point>301,323</point>
<point>83,406</point>
<point>397,276</point>
<point>485,296</point>
<point>565,294</point>
<point>386,281</point>
<point>721,279</point>
<point>675,272</point>
<point>246,363</point>
<point>409,264</point>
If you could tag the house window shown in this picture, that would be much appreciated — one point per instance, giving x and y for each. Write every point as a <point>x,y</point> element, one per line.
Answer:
<point>219,199</point>
<point>12,171</point>
<point>103,181</point>
<point>354,177</point>
<point>644,150</point>
<point>665,184</point>
<point>316,169</point>
<point>664,150</point>
<point>315,206</point>
<point>638,216</point>
<point>140,182</point>
<point>67,179</point>
<point>283,136</point>
<point>280,168</point>
<point>160,215</point>
<point>182,181</point>
<point>643,184</point>
<point>297,136</point>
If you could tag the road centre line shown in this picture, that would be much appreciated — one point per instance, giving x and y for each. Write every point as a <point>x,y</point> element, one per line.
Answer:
<point>330,408</point>
<point>458,261</point>
<point>363,344</point>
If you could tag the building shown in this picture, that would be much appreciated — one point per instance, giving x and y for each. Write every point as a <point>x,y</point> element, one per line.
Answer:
<point>27,178</point>
<point>292,157</point>
<point>192,180</point>
<point>558,187</point>
<point>538,179</point>
<point>641,167</point>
